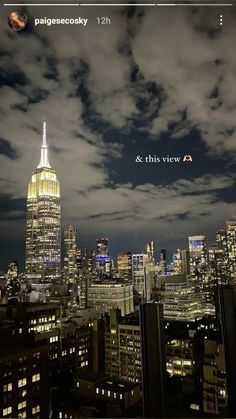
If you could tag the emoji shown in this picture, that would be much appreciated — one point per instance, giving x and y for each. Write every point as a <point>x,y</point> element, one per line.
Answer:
<point>187,158</point>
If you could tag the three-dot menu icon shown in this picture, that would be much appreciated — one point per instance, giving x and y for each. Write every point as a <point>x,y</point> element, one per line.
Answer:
<point>221,20</point>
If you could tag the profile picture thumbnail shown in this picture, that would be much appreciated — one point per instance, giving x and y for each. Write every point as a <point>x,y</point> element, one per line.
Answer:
<point>17,21</point>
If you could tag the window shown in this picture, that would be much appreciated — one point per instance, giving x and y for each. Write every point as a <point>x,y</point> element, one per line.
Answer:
<point>121,397</point>
<point>103,392</point>
<point>21,405</point>
<point>7,387</point>
<point>36,409</point>
<point>37,355</point>
<point>109,393</point>
<point>77,384</point>
<point>22,382</point>
<point>7,411</point>
<point>53,339</point>
<point>97,390</point>
<point>22,414</point>
<point>35,377</point>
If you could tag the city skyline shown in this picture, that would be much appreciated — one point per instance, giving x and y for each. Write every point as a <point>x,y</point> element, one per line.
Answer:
<point>99,121</point>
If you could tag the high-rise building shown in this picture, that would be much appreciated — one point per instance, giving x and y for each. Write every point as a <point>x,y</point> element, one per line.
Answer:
<point>124,265</point>
<point>153,360</point>
<point>227,306</point>
<point>102,246</point>
<point>122,347</point>
<point>105,295</point>
<point>198,255</point>
<point>218,266</point>
<point>182,301</point>
<point>70,259</point>
<point>231,248</point>
<point>163,261</point>
<point>185,262</point>
<point>43,223</point>
<point>214,378</point>
<point>150,250</point>
<point>177,262</point>
<point>103,260</point>
<point>139,262</point>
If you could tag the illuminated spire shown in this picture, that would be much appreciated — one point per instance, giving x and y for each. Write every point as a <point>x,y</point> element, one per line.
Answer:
<point>44,149</point>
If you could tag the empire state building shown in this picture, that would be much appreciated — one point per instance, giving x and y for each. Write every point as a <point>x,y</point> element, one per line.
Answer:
<point>43,223</point>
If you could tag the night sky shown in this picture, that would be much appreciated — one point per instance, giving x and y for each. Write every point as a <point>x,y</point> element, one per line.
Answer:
<point>155,82</point>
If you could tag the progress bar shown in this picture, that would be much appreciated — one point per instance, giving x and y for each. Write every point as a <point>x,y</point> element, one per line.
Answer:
<point>122,4</point>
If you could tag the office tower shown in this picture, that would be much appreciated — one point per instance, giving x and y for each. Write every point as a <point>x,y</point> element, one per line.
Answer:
<point>79,260</point>
<point>43,223</point>
<point>221,240</point>
<point>198,255</point>
<point>150,250</point>
<point>163,261</point>
<point>153,360</point>
<point>185,261</point>
<point>218,266</point>
<point>227,304</point>
<point>12,280</point>
<point>183,302</point>
<point>102,246</point>
<point>124,265</point>
<point>70,259</point>
<point>106,294</point>
<point>123,347</point>
<point>99,345</point>
<point>89,260</point>
<point>139,262</point>
<point>214,378</point>
<point>231,248</point>
<point>24,379</point>
<point>103,260</point>
<point>177,262</point>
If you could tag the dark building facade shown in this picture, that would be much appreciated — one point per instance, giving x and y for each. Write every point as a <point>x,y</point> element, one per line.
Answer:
<point>153,360</point>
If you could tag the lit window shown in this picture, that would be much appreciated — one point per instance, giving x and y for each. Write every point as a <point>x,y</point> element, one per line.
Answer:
<point>121,397</point>
<point>7,411</point>
<point>109,393</point>
<point>7,387</point>
<point>60,415</point>
<point>21,405</point>
<point>103,391</point>
<point>22,414</point>
<point>20,331</point>
<point>22,382</point>
<point>114,395</point>
<point>77,384</point>
<point>97,390</point>
<point>35,377</point>
<point>36,409</point>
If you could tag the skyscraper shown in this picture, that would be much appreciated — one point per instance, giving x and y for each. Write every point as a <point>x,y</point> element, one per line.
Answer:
<point>231,248</point>
<point>124,265</point>
<point>139,262</point>
<point>43,223</point>
<point>153,360</point>
<point>70,259</point>
<point>198,255</point>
